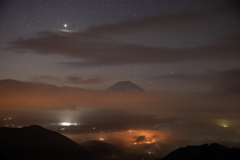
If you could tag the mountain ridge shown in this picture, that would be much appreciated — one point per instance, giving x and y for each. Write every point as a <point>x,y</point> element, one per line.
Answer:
<point>213,151</point>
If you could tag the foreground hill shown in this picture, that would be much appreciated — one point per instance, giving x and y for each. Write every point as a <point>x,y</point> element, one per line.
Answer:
<point>204,152</point>
<point>35,142</point>
<point>103,150</point>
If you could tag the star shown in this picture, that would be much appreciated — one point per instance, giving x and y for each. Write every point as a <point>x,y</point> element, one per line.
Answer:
<point>65,25</point>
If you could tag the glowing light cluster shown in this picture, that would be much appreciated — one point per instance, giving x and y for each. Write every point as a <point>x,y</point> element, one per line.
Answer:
<point>135,143</point>
<point>68,124</point>
<point>224,125</point>
<point>224,122</point>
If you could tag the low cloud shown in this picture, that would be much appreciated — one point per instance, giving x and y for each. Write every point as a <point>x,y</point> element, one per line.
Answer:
<point>126,139</point>
<point>160,121</point>
<point>17,95</point>
<point>221,81</point>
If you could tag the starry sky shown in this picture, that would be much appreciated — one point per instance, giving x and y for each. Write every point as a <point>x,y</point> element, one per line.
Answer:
<point>184,53</point>
<point>94,44</point>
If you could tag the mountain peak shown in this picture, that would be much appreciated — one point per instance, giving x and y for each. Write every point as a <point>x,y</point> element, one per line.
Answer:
<point>123,86</point>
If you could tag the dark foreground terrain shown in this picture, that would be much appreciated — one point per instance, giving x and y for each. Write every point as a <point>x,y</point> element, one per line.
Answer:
<point>37,143</point>
<point>212,151</point>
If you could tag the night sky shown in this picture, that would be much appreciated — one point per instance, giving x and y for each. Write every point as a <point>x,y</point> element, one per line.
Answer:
<point>58,57</point>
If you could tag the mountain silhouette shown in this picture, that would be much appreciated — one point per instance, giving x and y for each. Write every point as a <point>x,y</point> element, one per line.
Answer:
<point>123,86</point>
<point>35,142</point>
<point>204,152</point>
<point>103,150</point>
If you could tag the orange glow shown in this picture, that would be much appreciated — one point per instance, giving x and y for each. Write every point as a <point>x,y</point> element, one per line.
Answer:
<point>126,138</point>
<point>39,96</point>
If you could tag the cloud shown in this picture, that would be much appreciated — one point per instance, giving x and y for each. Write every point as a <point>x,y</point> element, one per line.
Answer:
<point>141,110</point>
<point>37,103</point>
<point>79,80</point>
<point>162,22</point>
<point>68,80</point>
<point>95,51</point>
<point>220,81</point>
<point>17,95</point>
<point>113,118</point>
<point>95,46</point>
<point>166,22</point>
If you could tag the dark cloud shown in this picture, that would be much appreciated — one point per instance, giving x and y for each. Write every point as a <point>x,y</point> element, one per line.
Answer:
<point>162,22</point>
<point>100,52</point>
<point>167,22</point>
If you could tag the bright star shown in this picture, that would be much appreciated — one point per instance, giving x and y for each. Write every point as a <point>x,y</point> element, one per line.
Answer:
<point>65,25</point>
